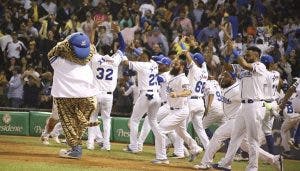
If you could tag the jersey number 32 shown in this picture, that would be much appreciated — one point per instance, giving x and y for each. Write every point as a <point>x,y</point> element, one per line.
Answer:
<point>104,74</point>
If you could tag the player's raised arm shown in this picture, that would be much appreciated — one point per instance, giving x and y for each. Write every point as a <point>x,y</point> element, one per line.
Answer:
<point>116,28</point>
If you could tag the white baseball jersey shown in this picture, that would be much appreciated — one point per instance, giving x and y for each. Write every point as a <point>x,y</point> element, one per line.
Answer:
<point>213,87</point>
<point>178,84</point>
<point>135,92</point>
<point>163,86</point>
<point>197,77</point>
<point>272,81</point>
<point>231,100</point>
<point>105,70</point>
<point>289,111</point>
<point>296,100</point>
<point>252,82</point>
<point>71,80</point>
<point>147,74</point>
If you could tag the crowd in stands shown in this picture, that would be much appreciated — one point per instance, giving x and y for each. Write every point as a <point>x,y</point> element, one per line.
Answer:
<point>30,28</point>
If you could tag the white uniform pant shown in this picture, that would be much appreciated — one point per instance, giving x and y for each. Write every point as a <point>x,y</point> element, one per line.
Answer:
<point>214,116</point>
<point>268,120</point>
<point>196,107</point>
<point>248,121</point>
<point>224,132</point>
<point>176,120</point>
<point>104,106</point>
<point>288,124</point>
<point>142,106</point>
<point>57,130</point>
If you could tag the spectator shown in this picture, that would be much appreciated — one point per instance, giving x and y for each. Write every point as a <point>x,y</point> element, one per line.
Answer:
<point>32,55</point>
<point>15,88</point>
<point>72,26</point>
<point>46,86</point>
<point>210,31</point>
<point>64,13</point>
<point>126,20</point>
<point>49,6</point>
<point>87,25</point>
<point>156,37</point>
<point>31,89</point>
<point>15,47</point>
<point>31,30</point>
<point>128,32</point>
<point>185,22</point>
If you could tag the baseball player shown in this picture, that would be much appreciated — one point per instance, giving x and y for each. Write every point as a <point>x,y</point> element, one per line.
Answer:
<point>134,90</point>
<point>296,101</point>
<point>271,95</point>
<point>213,104</point>
<point>178,91</point>
<point>232,107</point>
<point>252,79</point>
<point>291,121</point>
<point>50,124</point>
<point>73,89</point>
<point>105,69</point>
<point>164,63</point>
<point>197,77</point>
<point>57,130</point>
<point>179,149</point>
<point>148,100</point>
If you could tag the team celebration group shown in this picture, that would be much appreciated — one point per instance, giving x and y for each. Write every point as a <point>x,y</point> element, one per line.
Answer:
<point>243,100</point>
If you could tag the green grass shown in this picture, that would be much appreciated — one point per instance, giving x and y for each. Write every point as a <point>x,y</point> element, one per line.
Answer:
<point>27,153</point>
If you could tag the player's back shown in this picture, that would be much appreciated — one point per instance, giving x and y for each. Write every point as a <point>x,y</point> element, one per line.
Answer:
<point>105,69</point>
<point>146,74</point>
<point>213,87</point>
<point>271,85</point>
<point>177,84</point>
<point>231,100</point>
<point>163,85</point>
<point>197,77</point>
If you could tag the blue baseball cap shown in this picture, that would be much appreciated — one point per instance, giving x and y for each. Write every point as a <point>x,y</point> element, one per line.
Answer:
<point>80,43</point>
<point>266,59</point>
<point>165,60</point>
<point>198,57</point>
<point>157,58</point>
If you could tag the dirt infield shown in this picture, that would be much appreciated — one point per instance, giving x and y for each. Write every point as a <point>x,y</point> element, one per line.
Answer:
<point>33,152</point>
<point>27,153</point>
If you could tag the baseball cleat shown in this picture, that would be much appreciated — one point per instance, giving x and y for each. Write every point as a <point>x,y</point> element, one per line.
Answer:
<point>194,155</point>
<point>174,156</point>
<point>73,153</point>
<point>202,166</point>
<point>287,154</point>
<point>293,145</point>
<point>160,161</point>
<point>239,157</point>
<point>45,140</point>
<point>56,139</point>
<point>219,167</point>
<point>90,146</point>
<point>127,149</point>
<point>279,162</point>
<point>105,148</point>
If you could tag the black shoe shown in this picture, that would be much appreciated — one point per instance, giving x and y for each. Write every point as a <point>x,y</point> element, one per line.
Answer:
<point>218,167</point>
